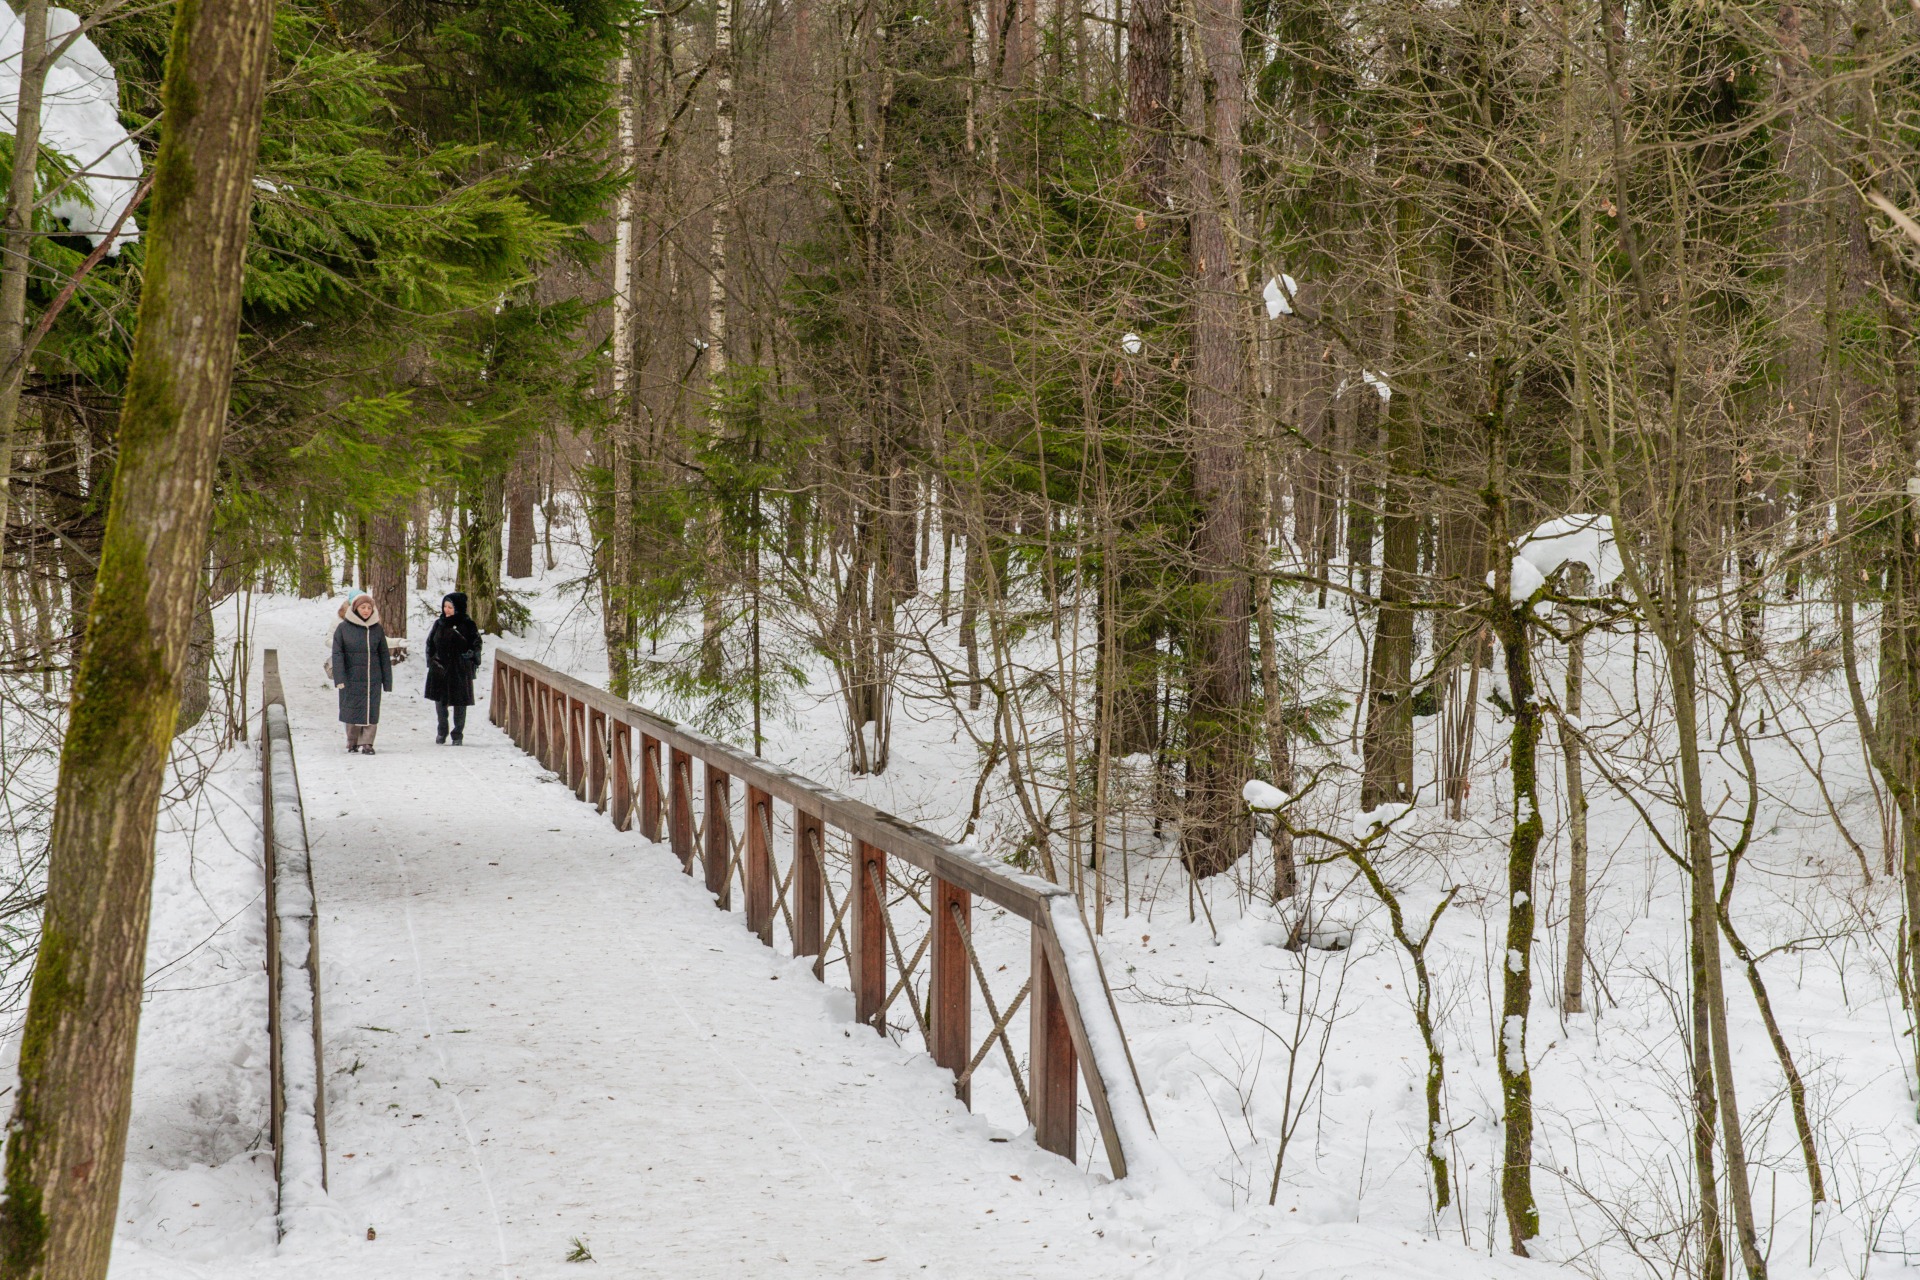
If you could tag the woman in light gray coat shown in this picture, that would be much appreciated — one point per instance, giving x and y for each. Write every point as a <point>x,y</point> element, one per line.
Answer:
<point>362,669</point>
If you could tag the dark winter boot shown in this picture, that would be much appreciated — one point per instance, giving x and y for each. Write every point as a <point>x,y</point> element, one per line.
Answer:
<point>456,739</point>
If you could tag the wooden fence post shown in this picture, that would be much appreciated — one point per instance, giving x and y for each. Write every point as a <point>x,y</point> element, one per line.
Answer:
<point>598,759</point>
<point>496,712</point>
<point>577,747</point>
<point>868,953</point>
<point>1052,1076</point>
<point>809,882</point>
<point>621,744</point>
<point>716,822</point>
<point>950,993</point>
<point>650,787</point>
<point>680,807</point>
<point>542,722</point>
<point>759,844</point>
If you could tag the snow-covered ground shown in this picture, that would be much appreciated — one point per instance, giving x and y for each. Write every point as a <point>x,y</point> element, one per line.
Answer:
<point>538,1031</point>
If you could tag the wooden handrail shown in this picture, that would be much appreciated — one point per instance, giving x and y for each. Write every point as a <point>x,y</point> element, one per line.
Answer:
<point>298,1108</point>
<point>1074,1026</point>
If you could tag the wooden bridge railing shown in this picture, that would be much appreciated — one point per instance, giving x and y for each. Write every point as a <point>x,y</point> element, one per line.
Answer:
<point>638,768</point>
<point>297,1116</point>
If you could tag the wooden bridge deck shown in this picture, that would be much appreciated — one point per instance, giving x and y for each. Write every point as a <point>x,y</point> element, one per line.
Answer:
<point>540,1032</point>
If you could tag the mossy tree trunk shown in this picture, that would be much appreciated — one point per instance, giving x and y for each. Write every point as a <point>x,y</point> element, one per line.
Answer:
<point>67,1138</point>
<point>1511,625</point>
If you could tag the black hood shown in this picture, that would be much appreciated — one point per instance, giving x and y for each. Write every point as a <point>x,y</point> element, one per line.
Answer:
<point>459,601</point>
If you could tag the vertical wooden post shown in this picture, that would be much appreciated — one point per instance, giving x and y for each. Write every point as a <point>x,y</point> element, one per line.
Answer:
<point>869,951</point>
<point>496,712</point>
<point>650,787</point>
<point>537,701</point>
<point>717,826</point>
<point>516,707</point>
<point>1052,1076</point>
<point>759,848</point>
<point>950,995</point>
<point>809,885</point>
<point>597,754</point>
<point>680,807</point>
<point>577,747</point>
<point>621,744</point>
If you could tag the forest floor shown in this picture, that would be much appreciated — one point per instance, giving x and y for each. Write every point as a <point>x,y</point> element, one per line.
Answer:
<point>540,1033</point>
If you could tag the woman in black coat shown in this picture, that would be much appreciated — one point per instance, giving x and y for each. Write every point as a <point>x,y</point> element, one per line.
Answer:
<point>453,659</point>
<point>362,669</point>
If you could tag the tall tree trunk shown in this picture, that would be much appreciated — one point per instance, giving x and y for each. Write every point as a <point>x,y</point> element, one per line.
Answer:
<point>479,574</point>
<point>67,1138</point>
<point>1216,829</point>
<point>1573,998</point>
<point>1387,775</point>
<point>387,579</point>
<point>520,520</point>
<point>1511,625</point>
<point>316,570</point>
<point>16,238</point>
<point>422,542</point>
<point>616,617</point>
<point>1713,1078</point>
<point>196,683</point>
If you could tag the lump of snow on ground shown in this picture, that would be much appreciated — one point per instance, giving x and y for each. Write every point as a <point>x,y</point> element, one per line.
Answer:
<point>1574,539</point>
<point>79,119</point>
<point>1378,818</point>
<point>1280,292</point>
<point>1131,344</point>
<point>1263,795</point>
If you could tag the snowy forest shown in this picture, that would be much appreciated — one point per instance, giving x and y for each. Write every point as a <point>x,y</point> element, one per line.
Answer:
<point>1408,509</point>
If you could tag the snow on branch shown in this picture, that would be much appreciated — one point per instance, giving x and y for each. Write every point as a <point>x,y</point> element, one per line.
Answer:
<point>80,120</point>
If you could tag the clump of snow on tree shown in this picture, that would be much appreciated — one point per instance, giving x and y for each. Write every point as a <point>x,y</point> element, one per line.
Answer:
<point>1263,795</point>
<point>1574,539</point>
<point>79,119</point>
<point>1280,292</point>
<point>1378,818</point>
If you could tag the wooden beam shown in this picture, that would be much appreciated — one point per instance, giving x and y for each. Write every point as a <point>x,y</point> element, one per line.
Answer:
<point>809,890</point>
<point>620,746</point>
<point>680,807</point>
<point>650,787</point>
<point>868,952</point>
<point>950,995</point>
<point>759,854</point>
<point>1052,1077</point>
<point>716,826</point>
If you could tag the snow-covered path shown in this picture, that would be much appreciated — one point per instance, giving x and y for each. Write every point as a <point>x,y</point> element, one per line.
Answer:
<point>539,1031</point>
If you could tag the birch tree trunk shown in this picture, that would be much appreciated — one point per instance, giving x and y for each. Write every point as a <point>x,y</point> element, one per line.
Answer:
<point>67,1139</point>
<point>617,612</point>
<point>711,620</point>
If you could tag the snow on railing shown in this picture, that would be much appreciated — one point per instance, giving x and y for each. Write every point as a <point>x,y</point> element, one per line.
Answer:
<point>612,754</point>
<point>299,1114</point>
